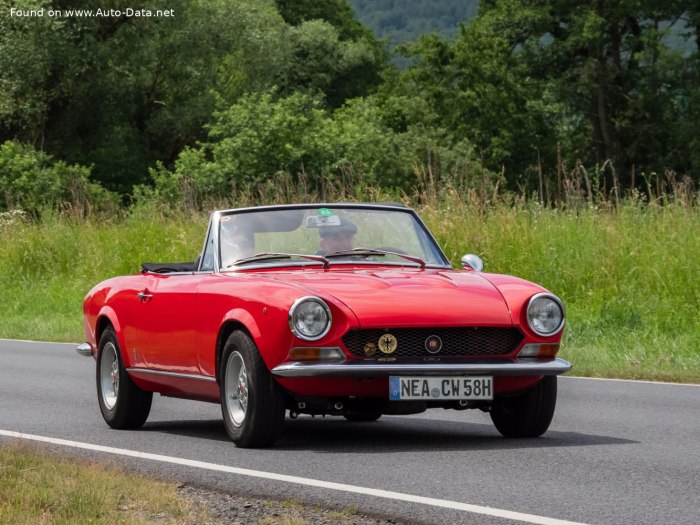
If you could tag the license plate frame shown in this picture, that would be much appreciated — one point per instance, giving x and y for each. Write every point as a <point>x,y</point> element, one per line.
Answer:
<point>450,388</point>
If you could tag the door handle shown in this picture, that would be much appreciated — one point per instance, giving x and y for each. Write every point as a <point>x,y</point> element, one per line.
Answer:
<point>144,296</point>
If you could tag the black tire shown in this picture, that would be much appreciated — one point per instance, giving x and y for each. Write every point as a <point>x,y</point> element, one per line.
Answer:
<point>528,414</point>
<point>252,403</point>
<point>123,404</point>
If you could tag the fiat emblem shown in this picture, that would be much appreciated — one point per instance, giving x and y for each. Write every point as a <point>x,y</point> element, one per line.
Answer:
<point>433,344</point>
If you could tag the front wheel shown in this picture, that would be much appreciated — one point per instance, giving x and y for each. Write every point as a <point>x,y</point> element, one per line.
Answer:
<point>528,414</point>
<point>123,404</point>
<point>252,403</point>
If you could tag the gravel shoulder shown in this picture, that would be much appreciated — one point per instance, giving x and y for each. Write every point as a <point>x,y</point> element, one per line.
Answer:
<point>229,509</point>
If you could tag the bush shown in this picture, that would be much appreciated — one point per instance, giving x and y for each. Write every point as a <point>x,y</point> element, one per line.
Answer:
<point>364,143</point>
<point>31,180</point>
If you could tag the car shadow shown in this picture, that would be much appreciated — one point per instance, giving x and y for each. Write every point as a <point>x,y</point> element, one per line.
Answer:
<point>199,428</point>
<point>388,434</point>
<point>412,434</point>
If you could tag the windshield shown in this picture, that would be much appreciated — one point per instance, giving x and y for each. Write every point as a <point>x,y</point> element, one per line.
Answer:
<point>325,235</point>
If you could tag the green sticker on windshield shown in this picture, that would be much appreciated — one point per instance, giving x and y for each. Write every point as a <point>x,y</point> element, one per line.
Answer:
<point>325,212</point>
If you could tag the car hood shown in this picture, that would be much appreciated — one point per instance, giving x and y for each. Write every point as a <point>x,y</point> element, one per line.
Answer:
<point>408,297</point>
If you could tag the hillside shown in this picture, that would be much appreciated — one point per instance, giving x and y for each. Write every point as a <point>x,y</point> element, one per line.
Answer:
<point>403,21</point>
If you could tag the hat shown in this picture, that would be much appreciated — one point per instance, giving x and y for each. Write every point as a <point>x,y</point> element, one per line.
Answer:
<point>327,230</point>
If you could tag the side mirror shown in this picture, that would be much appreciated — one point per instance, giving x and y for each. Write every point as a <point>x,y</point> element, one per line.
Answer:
<point>472,262</point>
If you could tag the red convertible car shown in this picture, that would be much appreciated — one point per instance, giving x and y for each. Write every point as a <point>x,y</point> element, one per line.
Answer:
<point>350,310</point>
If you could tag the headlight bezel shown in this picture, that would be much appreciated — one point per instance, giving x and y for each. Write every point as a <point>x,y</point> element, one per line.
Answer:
<point>557,302</point>
<point>297,304</point>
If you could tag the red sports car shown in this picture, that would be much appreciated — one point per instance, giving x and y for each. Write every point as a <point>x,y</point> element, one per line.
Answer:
<point>350,310</point>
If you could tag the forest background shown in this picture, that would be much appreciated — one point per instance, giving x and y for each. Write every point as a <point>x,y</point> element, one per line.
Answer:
<point>559,140</point>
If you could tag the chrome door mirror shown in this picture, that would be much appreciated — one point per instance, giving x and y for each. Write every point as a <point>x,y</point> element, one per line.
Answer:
<point>472,262</point>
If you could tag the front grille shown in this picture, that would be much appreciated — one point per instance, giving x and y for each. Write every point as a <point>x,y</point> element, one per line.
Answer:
<point>456,342</point>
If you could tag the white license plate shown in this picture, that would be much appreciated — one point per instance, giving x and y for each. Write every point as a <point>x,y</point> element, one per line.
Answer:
<point>431,388</point>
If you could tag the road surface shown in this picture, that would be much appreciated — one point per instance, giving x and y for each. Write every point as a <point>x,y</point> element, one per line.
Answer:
<point>617,451</point>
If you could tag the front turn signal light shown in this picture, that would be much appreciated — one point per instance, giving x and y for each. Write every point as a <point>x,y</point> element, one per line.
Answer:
<point>316,353</point>
<point>539,350</point>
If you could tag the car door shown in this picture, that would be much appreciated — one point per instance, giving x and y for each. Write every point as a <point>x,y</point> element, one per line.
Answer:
<point>166,322</point>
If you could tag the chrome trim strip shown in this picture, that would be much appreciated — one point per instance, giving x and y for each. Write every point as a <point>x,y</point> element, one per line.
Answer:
<point>360,368</point>
<point>136,370</point>
<point>84,349</point>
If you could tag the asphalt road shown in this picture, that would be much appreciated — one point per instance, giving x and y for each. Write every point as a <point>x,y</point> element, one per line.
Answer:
<point>617,452</point>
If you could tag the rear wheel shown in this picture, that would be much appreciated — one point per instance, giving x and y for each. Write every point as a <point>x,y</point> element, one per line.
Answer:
<point>252,403</point>
<point>123,404</point>
<point>528,414</point>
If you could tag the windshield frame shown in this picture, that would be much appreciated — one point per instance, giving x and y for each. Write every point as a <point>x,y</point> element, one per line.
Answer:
<point>423,233</point>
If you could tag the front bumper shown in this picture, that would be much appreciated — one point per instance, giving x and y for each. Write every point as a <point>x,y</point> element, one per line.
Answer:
<point>84,349</point>
<point>457,367</point>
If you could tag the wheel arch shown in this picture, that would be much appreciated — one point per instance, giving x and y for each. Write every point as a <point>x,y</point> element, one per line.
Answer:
<point>227,328</point>
<point>107,318</point>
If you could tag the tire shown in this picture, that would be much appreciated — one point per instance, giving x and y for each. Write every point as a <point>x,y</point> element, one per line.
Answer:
<point>123,404</point>
<point>252,403</point>
<point>528,414</point>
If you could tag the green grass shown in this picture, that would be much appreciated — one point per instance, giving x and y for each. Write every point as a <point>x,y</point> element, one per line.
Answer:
<point>630,276</point>
<point>47,268</point>
<point>36,488</point>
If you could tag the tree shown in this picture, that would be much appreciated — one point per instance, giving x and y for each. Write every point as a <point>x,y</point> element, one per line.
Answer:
<point>595,77</point>
<point>330,51</point>
<point>121,92</point>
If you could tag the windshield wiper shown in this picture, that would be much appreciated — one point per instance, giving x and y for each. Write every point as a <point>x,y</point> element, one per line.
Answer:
<point>268,256</point>
<point>373,251</point>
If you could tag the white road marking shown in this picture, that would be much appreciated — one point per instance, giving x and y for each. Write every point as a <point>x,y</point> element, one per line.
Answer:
<point>36,342</point>
<point>642,381</point>
<point>398,496</point>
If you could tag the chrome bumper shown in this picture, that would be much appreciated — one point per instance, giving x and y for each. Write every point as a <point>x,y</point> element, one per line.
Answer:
<point>84,349</point>
<point>495,367</point>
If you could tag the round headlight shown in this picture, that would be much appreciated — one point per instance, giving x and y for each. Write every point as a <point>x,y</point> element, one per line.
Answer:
<point>309,318</point>
<point>545,314</point>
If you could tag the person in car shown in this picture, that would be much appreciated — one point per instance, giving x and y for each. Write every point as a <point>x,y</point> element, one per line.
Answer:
<point>336,237</point>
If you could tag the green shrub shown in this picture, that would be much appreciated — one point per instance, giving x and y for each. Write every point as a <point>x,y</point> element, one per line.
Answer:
<point>31,180</point>
<point>362,144</point>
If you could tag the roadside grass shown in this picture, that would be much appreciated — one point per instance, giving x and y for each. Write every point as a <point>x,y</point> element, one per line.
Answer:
<point>628,274</point>
<point>629,277</point>
<point>47,267</point>
<point>36,488</point>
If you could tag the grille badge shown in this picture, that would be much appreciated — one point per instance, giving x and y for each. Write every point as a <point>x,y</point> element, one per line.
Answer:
<point>370,349</point>
<point>433,344</point>
<point>388,344</point>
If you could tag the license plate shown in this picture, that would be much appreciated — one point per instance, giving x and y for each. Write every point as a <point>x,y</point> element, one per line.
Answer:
<point>436,388</point>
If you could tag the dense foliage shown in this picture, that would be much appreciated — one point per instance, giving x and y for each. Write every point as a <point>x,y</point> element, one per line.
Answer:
<point>550,98</point>
<point>31,180</point>
<point>403,21</point>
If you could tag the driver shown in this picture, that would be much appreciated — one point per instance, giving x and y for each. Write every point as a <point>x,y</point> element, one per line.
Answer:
<point>337,237</point>
<point>237,242</point>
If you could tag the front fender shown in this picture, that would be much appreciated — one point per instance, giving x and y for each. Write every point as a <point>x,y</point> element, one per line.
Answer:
<point>108,314</point>
<point>243,317</point>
